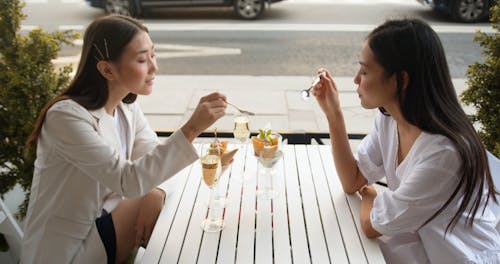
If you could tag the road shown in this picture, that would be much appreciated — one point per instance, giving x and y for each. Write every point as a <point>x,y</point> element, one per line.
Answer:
<point>294,37</point>
<point>262,65</point>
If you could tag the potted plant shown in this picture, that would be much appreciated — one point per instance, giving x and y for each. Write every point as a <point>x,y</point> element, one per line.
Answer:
<point>483,80</point>
<point>28,81</point>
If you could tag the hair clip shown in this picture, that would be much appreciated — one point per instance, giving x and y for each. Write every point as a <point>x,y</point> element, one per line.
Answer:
<point>106,46</point>
<point>99,51</point>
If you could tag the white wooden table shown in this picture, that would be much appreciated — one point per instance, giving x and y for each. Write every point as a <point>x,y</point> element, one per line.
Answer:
<point>312,219</point>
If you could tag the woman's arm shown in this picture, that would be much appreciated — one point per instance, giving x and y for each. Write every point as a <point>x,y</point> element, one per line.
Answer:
<point>327,95</point>
<point>350,176</point>
<point>368,194</point>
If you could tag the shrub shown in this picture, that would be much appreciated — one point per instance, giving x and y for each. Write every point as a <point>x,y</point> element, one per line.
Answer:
<point>28,80</point>
<point>483,80</point>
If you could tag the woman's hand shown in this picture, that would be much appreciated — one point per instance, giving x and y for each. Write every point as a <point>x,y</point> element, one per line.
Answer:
<point>326,94</point>
<point>151,205</point>
<point>209,109</point>
<point>368,194</point>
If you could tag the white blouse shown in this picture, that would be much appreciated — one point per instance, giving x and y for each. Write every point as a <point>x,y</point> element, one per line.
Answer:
<point>417,188</point>
<point>112,200</point>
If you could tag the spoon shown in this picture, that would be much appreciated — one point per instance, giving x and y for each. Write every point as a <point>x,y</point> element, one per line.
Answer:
<point>306,93</point>
<point>240,110</point>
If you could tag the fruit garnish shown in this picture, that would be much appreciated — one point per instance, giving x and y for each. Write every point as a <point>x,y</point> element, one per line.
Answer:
<point>222,145</point>
<point>266,136</point>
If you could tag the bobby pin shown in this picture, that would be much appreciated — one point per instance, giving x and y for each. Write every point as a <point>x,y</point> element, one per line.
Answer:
<point>99,51</point>
<point>106,46</point>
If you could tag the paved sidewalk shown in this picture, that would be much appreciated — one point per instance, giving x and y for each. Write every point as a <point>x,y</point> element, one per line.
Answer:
<point>276,100</point>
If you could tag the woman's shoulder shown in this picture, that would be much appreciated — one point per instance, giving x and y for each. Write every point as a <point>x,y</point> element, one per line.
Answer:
<point>68,108</point>
<point>437,148</point>
<point>66,105</point>
<point>437,141</point>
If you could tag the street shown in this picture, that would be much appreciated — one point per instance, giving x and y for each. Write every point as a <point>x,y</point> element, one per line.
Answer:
<point>294,37</point>
<point>200,50</point>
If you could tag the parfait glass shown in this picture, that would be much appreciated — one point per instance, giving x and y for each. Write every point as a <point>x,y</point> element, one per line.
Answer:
<point>268,157</point>
<point>211,170</point>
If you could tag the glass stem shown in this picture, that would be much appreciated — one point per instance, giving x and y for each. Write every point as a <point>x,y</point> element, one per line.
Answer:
<point>268,175</point>
<point>212,213</point>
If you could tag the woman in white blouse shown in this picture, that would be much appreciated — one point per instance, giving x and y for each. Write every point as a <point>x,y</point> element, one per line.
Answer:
<point>437,206</point>
<point>93,197</point>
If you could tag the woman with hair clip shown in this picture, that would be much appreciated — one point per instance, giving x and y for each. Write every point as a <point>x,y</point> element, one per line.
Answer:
<point>94,196</point>
<point>440,189</point>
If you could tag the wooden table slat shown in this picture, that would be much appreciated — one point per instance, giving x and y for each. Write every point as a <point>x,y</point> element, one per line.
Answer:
<point>370,246</point>
<point>164,222</point>
<point>316,238</point>
<point>264,218</point>
<point>210,242</point>
<point>351,237</point>
<point>194,233</point>
<point>228,240</point>
<point>281,238</point>
<point>328,215</point>
<point>298,237</point>
<point>246,232</point>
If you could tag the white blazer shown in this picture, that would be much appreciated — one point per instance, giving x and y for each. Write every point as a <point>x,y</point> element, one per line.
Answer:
<point>78,165</point>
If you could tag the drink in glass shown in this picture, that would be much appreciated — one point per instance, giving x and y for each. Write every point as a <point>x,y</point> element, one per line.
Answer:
<point>211,170</point>
<point>210,167</point>
<point>241,130</point>
<point>241,133</point>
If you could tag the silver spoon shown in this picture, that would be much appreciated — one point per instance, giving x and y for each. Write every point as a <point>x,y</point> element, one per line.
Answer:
<point>306,93</point>
<point>240,110</point>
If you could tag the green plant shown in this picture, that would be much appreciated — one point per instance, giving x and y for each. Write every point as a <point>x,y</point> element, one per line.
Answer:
<point>28,80</point>
<point>483,91</point>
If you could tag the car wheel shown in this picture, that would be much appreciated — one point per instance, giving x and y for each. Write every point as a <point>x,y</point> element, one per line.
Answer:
<point>470,10</point>
<point>122,7</point>
<point>249,9</point>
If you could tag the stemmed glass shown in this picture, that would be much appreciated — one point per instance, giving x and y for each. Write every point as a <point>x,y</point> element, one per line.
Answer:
<point>211,169</point>
<point>219,199</point>
<point>268,158</point>
<point>241,132</point>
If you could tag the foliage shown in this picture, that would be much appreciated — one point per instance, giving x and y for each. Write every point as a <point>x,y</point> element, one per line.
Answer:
<point>28,80</point>
<point>484,86</point>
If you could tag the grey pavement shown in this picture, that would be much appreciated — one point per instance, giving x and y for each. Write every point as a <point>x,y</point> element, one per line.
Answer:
<point>276,100</point>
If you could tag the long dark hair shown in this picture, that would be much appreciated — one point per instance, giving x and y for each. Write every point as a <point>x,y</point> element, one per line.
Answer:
<point>104,39</point>
<point>430,102</point>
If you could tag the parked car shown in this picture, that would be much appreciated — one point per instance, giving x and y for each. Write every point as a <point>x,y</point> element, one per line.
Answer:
<point>246,9</point>
<point>462,10</point>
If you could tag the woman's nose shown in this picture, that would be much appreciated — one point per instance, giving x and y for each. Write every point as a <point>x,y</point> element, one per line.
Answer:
<point>356,78</point>
<point>153,66</point>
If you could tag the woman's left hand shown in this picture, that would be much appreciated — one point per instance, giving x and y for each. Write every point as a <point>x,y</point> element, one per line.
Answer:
<point>368,192</point>
<point>151,205</point>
